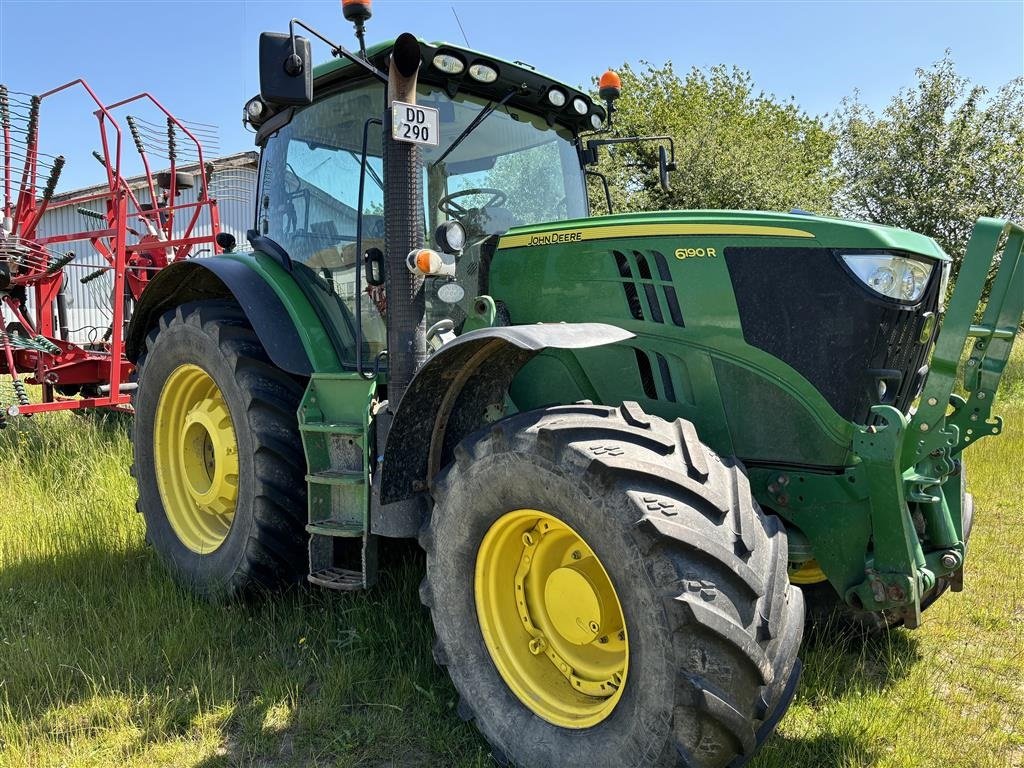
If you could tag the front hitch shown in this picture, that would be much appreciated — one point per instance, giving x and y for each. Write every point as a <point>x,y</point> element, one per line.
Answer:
<point>931,429</point>
<point>908,459</point>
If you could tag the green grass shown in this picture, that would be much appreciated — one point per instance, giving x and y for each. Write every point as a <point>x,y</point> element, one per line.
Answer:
<point>104,661</point>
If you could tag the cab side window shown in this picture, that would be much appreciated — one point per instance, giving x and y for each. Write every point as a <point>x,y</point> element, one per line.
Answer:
<point>309,200</point>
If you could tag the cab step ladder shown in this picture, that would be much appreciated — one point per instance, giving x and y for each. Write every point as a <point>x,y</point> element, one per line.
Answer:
<point>334,423</point>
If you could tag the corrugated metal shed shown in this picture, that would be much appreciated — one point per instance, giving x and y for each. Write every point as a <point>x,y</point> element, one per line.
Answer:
<point>233,185</point>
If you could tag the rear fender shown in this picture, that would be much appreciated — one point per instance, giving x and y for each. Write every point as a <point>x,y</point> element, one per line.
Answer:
<point>450,395</point>
<point>275,306</point>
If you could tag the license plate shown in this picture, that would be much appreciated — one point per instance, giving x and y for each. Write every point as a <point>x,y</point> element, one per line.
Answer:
<point>414,124</point>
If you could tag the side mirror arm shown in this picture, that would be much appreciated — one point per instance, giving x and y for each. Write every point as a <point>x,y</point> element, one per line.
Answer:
<point>589,154</point>
<point>336,50</point>
<point>604,183</point>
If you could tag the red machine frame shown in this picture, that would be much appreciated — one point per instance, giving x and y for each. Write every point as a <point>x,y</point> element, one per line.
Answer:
<point>27,262</point>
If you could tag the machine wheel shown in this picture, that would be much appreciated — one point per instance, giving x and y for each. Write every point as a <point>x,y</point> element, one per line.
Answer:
<point>606,592</point>
<point>218,458</point>
<point>825,608</point>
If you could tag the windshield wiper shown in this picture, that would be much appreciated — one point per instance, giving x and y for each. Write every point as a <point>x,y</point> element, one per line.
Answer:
<point>482,115</point>
<point>369,169</point>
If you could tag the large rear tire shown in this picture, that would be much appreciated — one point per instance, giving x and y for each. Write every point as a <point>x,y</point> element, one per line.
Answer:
<point>218,458</point>
<point>648,574</point>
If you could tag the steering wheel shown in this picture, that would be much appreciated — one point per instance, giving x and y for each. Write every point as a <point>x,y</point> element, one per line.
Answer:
<point>447,204</point>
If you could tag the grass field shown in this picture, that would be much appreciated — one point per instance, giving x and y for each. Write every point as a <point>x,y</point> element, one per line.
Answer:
<point>103,661</point>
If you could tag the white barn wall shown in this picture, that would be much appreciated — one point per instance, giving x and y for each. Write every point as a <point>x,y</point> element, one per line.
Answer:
<point>234,188</point>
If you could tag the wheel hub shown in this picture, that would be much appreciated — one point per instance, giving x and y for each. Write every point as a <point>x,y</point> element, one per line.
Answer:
<point>209,456</point>
<point>551,619</point>
<point>196,456</point>
<point>574,603</point>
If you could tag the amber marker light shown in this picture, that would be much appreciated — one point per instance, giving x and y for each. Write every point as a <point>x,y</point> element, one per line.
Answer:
<point>423,261</point>
<point>356,10</point>
<point>426,262</point>
<point>610,86</point>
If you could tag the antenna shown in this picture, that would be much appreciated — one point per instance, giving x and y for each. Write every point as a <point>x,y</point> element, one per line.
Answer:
<point>459,22</point>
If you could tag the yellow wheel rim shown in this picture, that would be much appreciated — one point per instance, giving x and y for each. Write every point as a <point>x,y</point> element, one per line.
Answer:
<point>196,459</point>
<point>551,619</point>
<point>806,573</point>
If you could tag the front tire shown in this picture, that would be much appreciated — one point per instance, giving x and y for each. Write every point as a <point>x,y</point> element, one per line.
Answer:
<point>706,661</point>
<point>218,458</point>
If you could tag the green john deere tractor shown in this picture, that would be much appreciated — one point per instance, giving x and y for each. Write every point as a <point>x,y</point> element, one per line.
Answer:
<point>629,444</point>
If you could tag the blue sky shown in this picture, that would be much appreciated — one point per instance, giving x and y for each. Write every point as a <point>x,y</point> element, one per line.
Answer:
<point>199,58</point>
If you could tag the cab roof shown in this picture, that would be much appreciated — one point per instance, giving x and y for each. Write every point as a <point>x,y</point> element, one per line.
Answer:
<point>531,87</point>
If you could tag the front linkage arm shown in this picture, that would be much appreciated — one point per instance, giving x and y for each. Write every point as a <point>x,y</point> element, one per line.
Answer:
<point>908,459</point>
<point>931,429</point>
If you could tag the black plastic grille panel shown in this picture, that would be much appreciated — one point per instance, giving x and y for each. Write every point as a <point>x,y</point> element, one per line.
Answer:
<point>805,308</point>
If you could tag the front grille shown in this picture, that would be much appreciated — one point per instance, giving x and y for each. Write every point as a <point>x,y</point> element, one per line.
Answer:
<point>899,348</point>
<point>654,290</point>
<point>803,307</point>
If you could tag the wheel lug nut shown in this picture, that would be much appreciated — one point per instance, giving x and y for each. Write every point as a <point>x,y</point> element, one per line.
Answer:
<point>595,627</point>
<point>576,554</point>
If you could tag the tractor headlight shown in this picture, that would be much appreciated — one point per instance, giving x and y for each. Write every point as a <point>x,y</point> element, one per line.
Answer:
<point>556,97</point>
<point>450,65</point>
<point>947,268</point>
<point>483,73</point>
<point>580,106</point>
<point>254,108</point>
<point>597,121</point>
<point>450,237</point>
<point>896,277</point>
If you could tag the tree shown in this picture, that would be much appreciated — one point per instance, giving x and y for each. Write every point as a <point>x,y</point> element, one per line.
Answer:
<point>940,155</point>
<point>532,179</point>
<point>734,148</point>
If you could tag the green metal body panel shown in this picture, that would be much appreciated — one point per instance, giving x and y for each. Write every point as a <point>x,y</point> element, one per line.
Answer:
<point>824,231</point>
<point>575,281</point>
<point>315,337</point>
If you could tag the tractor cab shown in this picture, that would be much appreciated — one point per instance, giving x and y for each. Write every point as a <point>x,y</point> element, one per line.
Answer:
<point>501,150</point>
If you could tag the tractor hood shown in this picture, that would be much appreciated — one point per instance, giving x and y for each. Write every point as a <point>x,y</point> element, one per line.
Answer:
<point>800,229</point>
<point>770,320</point>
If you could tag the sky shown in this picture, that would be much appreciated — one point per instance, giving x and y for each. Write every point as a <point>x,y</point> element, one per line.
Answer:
<point>200,58</point>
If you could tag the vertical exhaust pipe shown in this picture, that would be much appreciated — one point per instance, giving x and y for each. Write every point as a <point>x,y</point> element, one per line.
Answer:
<point>403,221</point>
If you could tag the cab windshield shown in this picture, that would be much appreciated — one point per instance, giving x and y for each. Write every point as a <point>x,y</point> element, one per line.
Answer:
<point>512,169</point>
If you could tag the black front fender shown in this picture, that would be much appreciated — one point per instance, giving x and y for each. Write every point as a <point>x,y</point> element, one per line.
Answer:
<point>450,395</point>
<point>216,278</point>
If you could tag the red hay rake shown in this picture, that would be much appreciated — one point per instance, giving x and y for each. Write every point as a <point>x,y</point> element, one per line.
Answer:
<point>130,240</point>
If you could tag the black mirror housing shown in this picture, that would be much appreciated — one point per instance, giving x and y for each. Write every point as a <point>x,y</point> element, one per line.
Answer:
<point>663,168</point>
<point>286,74</point>
<point>226,241</point>
<point>374,267</point>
